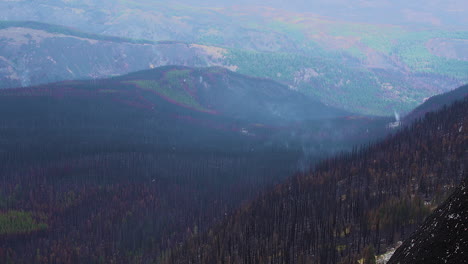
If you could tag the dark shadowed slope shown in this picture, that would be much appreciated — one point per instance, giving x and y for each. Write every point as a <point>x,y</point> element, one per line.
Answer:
<point>176,106</point>
<point>120,170</point>
<point>371,198</point>
<point>436,102</point>
<point>443,238</point>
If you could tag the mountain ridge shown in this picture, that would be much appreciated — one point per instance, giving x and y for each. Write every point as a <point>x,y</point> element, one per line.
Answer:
<point>324,66</point>
<point>112,170</point>
<point>52,28</point>
<point>372,197</point>
<point>436,102</point>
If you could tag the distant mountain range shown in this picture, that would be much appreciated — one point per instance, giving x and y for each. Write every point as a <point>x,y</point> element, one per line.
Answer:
<point>34,53</point>
<point>361,67</point>
<point>418,12</point>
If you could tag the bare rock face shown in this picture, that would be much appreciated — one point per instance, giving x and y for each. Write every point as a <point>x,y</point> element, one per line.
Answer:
<point>443,238</point>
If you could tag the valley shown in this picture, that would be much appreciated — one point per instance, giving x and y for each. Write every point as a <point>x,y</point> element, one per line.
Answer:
<point>126,168</point>
<point>248,132</point>
<point>364,201</point>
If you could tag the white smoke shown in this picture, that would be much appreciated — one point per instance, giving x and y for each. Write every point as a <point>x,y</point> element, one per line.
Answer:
<point>24,78</point>
<point>397,116</point>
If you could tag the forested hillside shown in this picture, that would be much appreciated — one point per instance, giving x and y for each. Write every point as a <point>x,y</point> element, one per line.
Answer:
<point>121,170</point>
<point>233,132</point>
<point>348,207</point>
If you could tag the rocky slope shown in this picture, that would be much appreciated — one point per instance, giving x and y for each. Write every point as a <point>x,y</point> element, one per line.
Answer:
<point>443,238</point>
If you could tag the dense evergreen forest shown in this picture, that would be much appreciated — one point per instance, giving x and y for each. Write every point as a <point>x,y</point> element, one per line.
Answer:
<point>114,171</point>
<point>91,180</point>
<point>119,207</point>
<point>346,208</point>
<point>108,171</point>
<point>233,132</point>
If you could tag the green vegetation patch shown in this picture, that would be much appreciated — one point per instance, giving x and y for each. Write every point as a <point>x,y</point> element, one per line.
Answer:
<point>176,77</point>
<point>349,88</point>
<point>406,211</point>
<point>172,89</point>
<point>413,51</point>
<point>19,222</point>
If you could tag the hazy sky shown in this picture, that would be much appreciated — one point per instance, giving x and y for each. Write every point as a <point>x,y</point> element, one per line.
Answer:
<point>434,12</point>
<point>443,13</point>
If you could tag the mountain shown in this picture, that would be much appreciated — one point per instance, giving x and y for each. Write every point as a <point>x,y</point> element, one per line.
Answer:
<point>35,53</point>
<point>348,207</point>
<point>442,238</point>
<point>437,102</point>
<point>180,105</point>
<point>218,90</point>
<point>396,66</point>
<point>124,169</point>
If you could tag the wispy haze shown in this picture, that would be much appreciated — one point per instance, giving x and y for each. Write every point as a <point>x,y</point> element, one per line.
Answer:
<point>431,12</point>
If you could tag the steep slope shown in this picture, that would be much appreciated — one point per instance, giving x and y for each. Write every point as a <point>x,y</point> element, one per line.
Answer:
<point>348,205</point>
<point>437,102</point>
<point>443,237</point>
<point>120,170</point>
